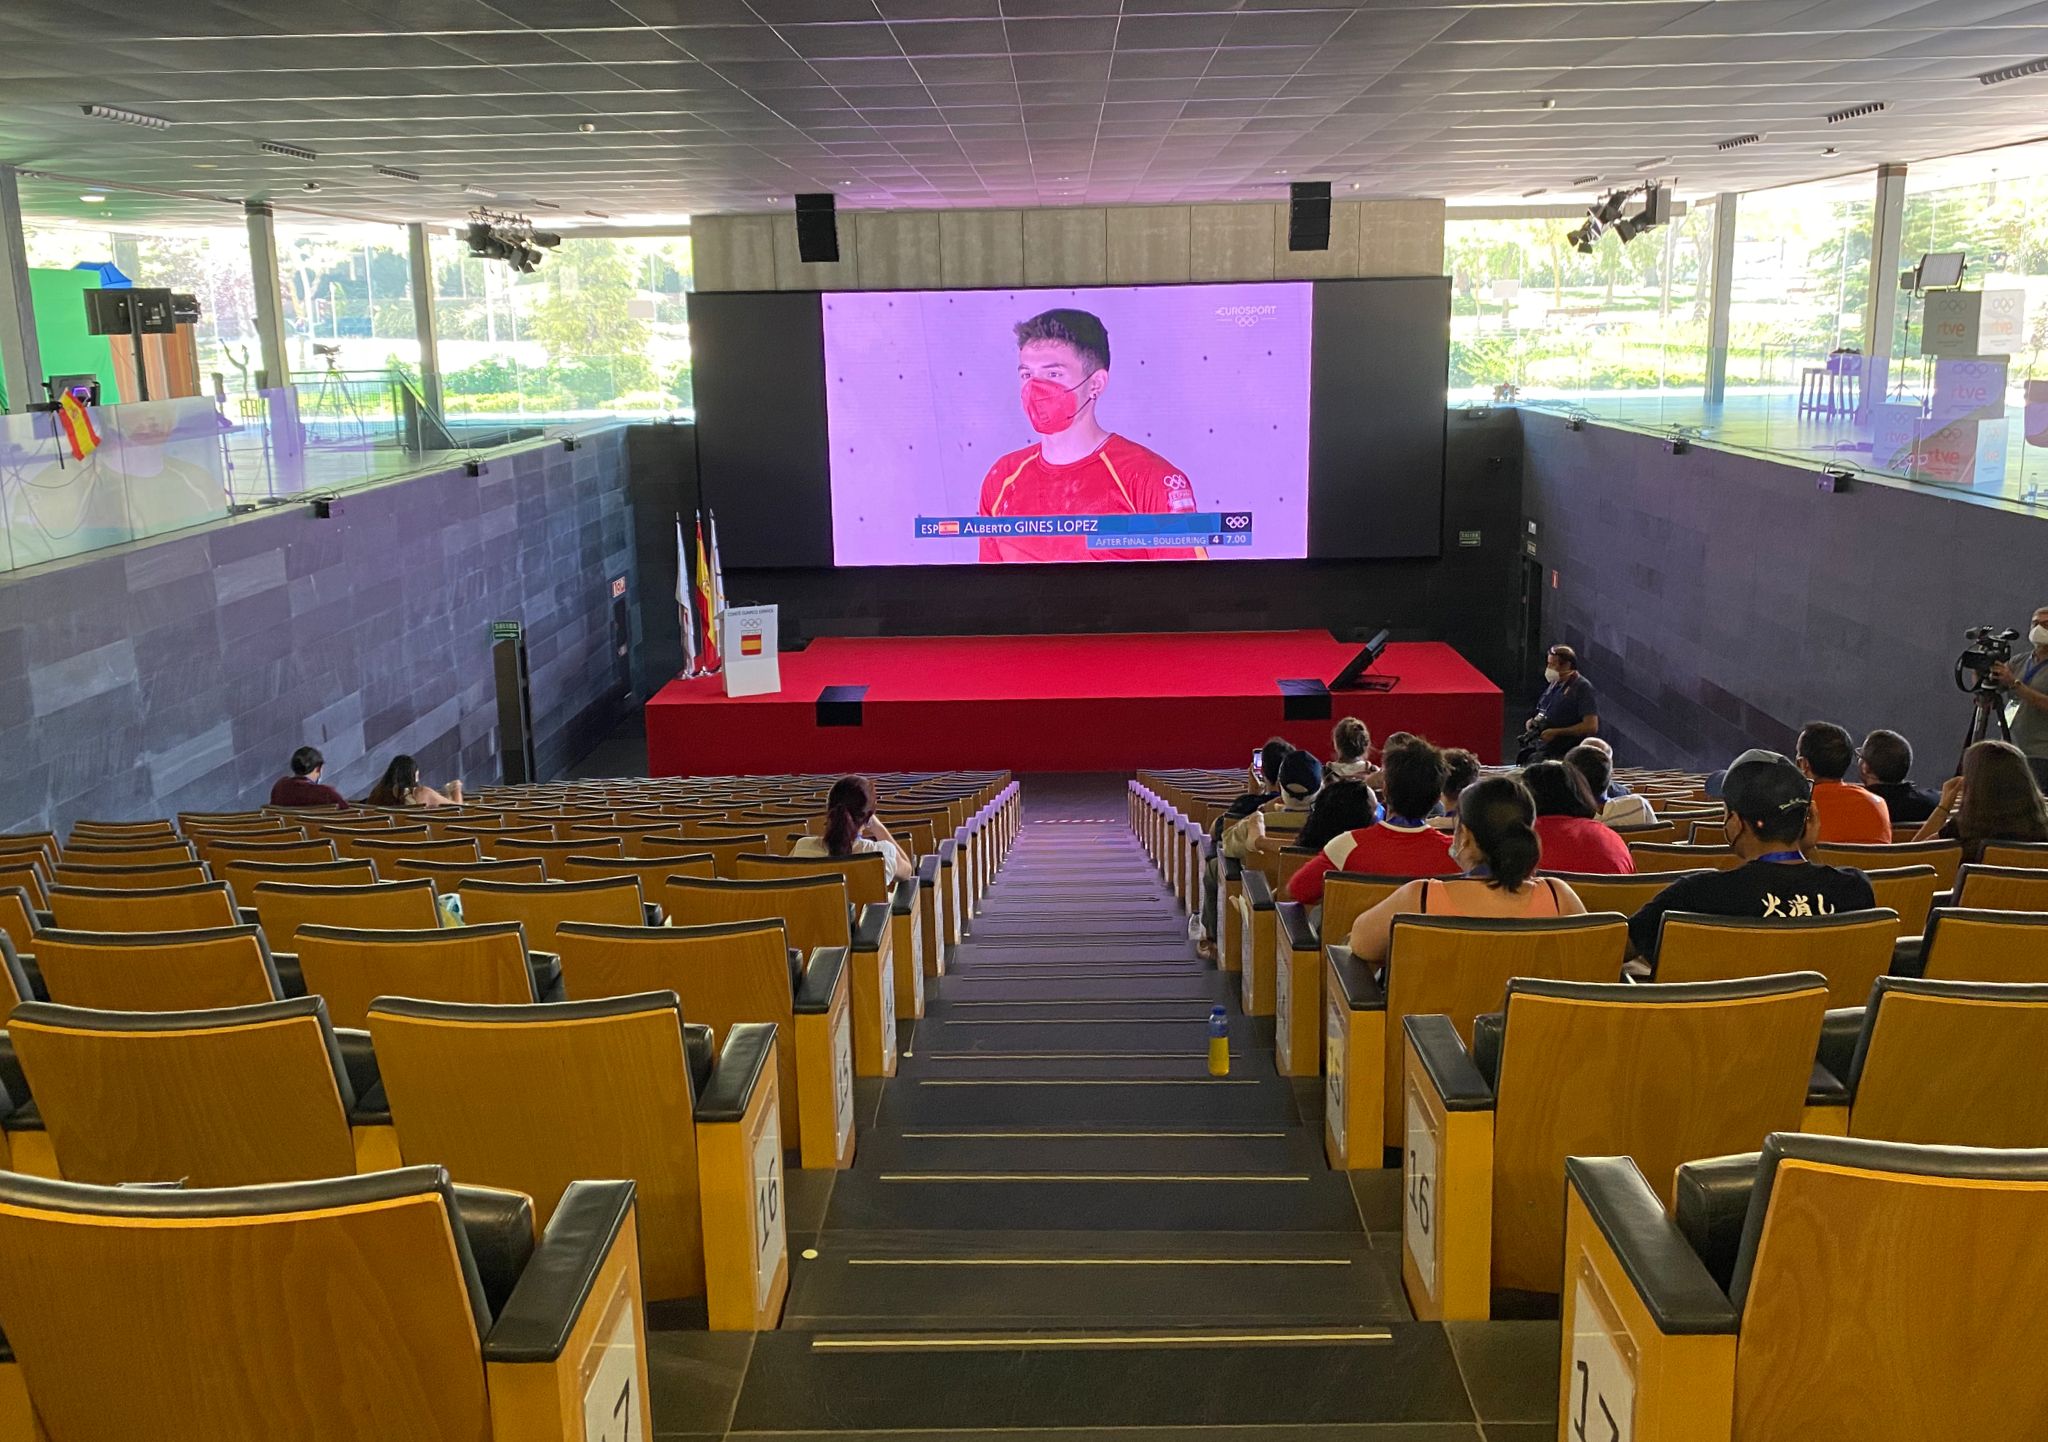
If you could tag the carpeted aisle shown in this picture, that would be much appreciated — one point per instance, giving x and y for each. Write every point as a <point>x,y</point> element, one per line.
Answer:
<point>1058,1222</point>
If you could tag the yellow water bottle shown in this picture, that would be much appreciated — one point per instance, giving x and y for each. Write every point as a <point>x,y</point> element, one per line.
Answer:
<point>1219,1042</point>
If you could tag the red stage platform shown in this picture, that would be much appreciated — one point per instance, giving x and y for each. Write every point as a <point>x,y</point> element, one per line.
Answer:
<point>1059,703</point>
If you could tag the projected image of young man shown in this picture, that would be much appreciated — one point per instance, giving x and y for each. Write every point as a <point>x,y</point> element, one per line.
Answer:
<point>1078,467</point>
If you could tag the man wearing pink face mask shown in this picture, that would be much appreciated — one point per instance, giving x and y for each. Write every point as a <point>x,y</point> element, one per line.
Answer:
<point>1077,468</point>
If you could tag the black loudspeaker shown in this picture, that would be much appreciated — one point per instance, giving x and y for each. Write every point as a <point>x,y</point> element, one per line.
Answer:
<point>1308,215</point>
<point>817,228</point>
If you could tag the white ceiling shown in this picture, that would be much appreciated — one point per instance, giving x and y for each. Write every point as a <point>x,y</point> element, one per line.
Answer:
<point>726,105</point>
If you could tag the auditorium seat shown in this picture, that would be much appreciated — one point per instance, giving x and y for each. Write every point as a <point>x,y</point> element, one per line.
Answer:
<point>19,917</point>
<point>652,875</point>
<point>1986,887</point>
<point>1908,890</point>
<point>385,1306</point>
<point>1348,895</point>
<point>244,876</point>
<point>124,853</point>
<point>1298,1020</point>
<point>868,883</point>
<point>737,973</point>
<point>493,833</point>
<point>1850,948</point>
<point>448,876</point>
<point>1828,1287</point>
<point>351,966</point>
<point>15,985</point>
<point>154,970</point>
<point>123,831</point>
<point>1457,967</point>
<point>28,871</point>
<point>1670,857</point>
<point>387,853</point>
<point>231,1096</point>
<point>2030,854</point>
<point>1622,894</point>
<point>154,876</point>
<point>1257,942</point>
<point>1952,1063</point>
<point>814,912</point>
<point>533,1097</point>
<point>724,850</point>
<point>282,907</point>
<point>1946,857</point>
<point>164,908</point>
<point>37,843</point>
<point>1962,944</point>
<point>541,906</point>
<point>1663,1074</point>
<point>1661,833</point>
<point>550,854</point>
<point>353,841</point>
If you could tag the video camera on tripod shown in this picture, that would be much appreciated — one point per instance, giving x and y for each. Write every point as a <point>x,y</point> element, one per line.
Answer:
<point>1989,649</point>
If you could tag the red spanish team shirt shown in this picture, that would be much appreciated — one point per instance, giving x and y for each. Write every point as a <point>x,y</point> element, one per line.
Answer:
<point>1119,478</point>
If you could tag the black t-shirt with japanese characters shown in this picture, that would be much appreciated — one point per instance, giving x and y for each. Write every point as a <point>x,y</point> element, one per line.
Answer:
<point>1756,888</point>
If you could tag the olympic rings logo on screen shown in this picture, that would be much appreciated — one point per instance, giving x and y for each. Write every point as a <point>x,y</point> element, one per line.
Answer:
<point>1246,315</point>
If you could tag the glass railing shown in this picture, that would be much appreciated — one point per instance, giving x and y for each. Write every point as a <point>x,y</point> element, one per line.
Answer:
<point>167,465</point>
<point>591,388</point>
<point>1961,423</point>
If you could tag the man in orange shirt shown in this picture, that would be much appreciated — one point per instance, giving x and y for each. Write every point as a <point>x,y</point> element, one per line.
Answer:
<point>1848,814</point>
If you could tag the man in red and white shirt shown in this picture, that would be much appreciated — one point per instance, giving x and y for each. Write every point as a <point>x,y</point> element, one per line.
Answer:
<point>1076,468</point>
<point>1401,843</point>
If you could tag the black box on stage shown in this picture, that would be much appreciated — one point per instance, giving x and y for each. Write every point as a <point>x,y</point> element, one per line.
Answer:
<point>817,228</point>
<point>138,309</point>
<point>1308,215</point>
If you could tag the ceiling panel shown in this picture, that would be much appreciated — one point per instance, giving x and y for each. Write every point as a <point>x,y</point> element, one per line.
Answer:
<point>710,105</point>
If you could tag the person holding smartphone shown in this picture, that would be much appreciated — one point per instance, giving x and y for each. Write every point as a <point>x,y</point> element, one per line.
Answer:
<point>1261,786</point>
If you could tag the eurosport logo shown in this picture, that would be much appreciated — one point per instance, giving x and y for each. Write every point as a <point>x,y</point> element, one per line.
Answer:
<point>1246,316</point>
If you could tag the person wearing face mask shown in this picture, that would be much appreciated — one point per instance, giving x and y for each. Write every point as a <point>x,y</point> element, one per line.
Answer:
<point>1566,713</point>
<point>1496,844</point>
<point>1077,467</point>
<point>2025,680</point>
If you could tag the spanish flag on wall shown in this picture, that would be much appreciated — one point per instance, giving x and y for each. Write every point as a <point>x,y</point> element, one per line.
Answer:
<point>78,427</point>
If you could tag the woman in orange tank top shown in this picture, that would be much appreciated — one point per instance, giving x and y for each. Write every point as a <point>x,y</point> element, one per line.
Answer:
<point>1495,841</point>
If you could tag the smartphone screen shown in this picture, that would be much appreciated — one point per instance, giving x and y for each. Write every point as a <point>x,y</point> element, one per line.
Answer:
<point>1255,757</point>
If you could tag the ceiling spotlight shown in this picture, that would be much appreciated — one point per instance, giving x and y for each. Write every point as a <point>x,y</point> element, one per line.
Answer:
<point>396,174</point>
<point>289,152</point>
<point>588,128</point>
<point>310,185</point>
<point>546,238</point>
<point>1609,209</point>
<point>93,198</point>
<point>132,117</point>
<point>1549,102</point>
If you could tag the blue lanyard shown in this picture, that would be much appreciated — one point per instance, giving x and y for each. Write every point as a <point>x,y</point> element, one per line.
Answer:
<point>1783,856</point>
<point>1393,820</point>
<point>2027,676</point>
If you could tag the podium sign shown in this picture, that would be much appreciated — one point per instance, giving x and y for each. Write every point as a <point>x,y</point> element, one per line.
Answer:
<point>747,643</point>
<point>1973,322</point>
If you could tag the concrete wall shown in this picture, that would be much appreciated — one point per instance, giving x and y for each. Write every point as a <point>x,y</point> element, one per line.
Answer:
<point>1720,601</point>
<point>181,674</point>
<point>1119,245</point>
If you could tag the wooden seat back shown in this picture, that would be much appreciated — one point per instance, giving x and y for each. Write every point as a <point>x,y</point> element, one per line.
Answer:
<point>1952,1063</point>
<point>449,875</point>
<point>244,876</point>
<point>1851,949</point>
<point>618,1101</point>
<point>551,854</point>
<point>124,853</point>
<point>1623,894</point>
<point>227,1097</point>
<point>542,906</point>
<point>724,849</point>
<point>812,909</point>
<point>1459,967</point>
<point>283,907</point>
<point>156,971</point>
<point>1908,890</point>
<point>29,871</point>
<point>1348,895</point>
<point>1946,857</point>
<point>375,844</point>
<point>353,966</point>
<point>155,876</point>
<point>17,917</point>
<point>1662,1074</point>
<point>160,908</point>
<point>387,854</point>
<point>653,875</point>
<point>1965,944</point>
<point>867,874</point>
<point>1664,856</point>
<point>2032,855</point>
<point>217,852</point>
<point>1985,887</point>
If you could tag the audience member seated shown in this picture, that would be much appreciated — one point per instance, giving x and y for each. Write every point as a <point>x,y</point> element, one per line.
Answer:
<point>1566,713</point>
<point>1351,743</point>
<point>1339,807</point>
<point>853,829</point>
<point>1596,764</point>
<point>1301,777</point>
<point>1884,764</point>
<point>1770,817</point>
<point>1402,843</point>
<point>1496,845</point>
<point>400,785</point>
<point>1606,748</point>
<point>1994,799</point>
<point>1461,769</point>
<point>1568,824</point>
<point>1260,788</point>
<point>1847,814</point>
<point>302,787</point>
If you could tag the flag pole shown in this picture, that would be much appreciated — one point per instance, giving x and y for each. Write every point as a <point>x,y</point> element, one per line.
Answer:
<point>684,614</point>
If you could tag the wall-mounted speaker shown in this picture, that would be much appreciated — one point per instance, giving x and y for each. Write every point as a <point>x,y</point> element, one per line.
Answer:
<point>817,228</point>
<point>1308,215</point>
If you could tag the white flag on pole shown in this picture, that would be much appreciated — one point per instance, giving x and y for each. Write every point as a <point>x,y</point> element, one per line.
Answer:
<point>684,612</point>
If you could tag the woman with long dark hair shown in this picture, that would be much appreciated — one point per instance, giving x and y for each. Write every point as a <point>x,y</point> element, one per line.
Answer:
<point>1567,825</point>
<point>1993,799</point>
<point>1495,841</point>
<point>400,785</point>
<point>853,829</point>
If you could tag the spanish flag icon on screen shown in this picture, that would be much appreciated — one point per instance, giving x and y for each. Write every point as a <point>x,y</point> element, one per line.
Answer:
<point>750,644</point>
<point>949,528</point>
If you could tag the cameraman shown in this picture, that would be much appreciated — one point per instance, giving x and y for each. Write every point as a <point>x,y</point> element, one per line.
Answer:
<point>2025,680</point>
<point>1566,714</point>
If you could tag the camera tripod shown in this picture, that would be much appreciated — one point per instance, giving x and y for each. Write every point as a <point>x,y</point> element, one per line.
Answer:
<point>334,394</point>
<point>1987,713</point>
